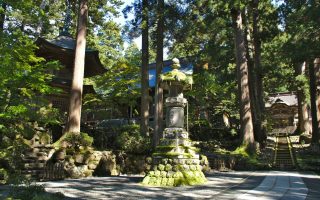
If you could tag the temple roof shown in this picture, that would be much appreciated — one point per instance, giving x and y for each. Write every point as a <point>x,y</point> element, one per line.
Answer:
<point>288,98</point>
<point>62,48</point>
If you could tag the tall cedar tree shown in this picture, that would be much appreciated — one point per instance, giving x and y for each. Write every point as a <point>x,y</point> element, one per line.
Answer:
<point>243,87</point>
<point>313,93</point>
<point>258,89</point>
<point>304,125</point>
<point>74,117</point>
<point>144,70</point>
<point>317,72</point>
<point>158,114</point>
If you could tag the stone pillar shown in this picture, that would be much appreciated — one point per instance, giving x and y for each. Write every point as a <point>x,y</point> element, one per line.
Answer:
<point>175,161</point>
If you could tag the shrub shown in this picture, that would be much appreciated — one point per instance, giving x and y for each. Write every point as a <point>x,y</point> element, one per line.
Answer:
<point>77,140</point>
<point>131,140</point>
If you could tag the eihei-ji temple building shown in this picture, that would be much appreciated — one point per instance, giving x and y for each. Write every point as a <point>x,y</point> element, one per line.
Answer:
<point>62,49</point>
<point>282,108</point>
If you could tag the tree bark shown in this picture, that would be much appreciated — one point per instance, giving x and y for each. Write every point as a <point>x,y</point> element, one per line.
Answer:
<point>74,117</point>
<point>317,72</point>
<point>252,81</point>
<point>243,87</point>
<point>144,123</point>
<point>3,16</point>
<point>303,123</point>
<point>258,89</point>
<point>158,113</point>
<point>313,94</point>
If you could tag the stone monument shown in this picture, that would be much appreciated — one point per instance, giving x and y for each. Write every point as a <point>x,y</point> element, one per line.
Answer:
<point>175,160</point>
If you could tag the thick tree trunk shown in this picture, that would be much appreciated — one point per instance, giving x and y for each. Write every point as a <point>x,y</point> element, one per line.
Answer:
<point>3,16</point>
<point>144,123</point>
<point>258,89</point>
<point>74,117</point>
<point>313,94</point>
<point>243,87</point>
<point>303,123</point>
<point>252,81</point>
<point>317,72</point>
<point>158,113</point>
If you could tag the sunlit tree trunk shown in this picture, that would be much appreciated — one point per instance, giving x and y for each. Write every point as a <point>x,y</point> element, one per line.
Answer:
<point>74,115</point>
<point>158,114</point>
<point>144,123</point>
<point>243,87</point>
<point>303,123</point>
<point>313,94</point>
<point>258,72</point>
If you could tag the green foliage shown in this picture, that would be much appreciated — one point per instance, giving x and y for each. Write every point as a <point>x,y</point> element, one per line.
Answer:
<point>78,140</point>
<point>132,141</point>
<point>121,84</point>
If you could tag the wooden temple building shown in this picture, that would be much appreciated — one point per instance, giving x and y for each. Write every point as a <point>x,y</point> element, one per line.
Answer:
<point>282,111</point>
<point>62,49</point>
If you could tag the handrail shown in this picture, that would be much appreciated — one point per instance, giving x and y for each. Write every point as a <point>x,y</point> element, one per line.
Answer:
<point>290,150</point>
<point>275,150</point>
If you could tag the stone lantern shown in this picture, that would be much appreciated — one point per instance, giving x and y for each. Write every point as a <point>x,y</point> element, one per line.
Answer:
<point>175,160</point>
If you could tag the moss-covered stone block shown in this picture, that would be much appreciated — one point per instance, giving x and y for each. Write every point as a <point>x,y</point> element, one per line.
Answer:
<point>161,167</point>
<point>178,175</point>
<point>164,181</point>
<point>193,167</point>
<point>163,174</point>
<point>146,180</point>
<point>168,167</point>
<point>170,174</point>
<point>164,161</point>
<point>151,174</point>
<point>186,167</point>
<point>158,182</point>
<point>188,162</point>
<point>170,182</point>
<point>157,173</point>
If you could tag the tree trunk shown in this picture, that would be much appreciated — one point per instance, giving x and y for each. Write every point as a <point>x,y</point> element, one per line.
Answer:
<point>251,81</point>
<point>303,123</point>
<point>144,123</point>
<point>74,117</point>
<point>243,87</point>
<point>258,89</point>
<point>158,113</point>
<point>317,72</point>
<point>313,94</point>
<point>3,16</point>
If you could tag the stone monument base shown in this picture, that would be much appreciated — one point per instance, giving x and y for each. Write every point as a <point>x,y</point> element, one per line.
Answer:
<point>175,162</point>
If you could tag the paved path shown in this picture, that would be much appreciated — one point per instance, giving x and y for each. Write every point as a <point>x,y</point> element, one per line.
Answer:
<point>227,185</point>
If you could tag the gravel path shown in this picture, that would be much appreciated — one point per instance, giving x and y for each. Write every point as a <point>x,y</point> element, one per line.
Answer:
<point>222,185</point>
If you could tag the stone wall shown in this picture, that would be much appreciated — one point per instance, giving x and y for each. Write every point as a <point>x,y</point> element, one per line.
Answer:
<point>45,163</point>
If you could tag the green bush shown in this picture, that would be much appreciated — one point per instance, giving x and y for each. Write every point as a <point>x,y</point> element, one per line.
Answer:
<point>130,140</point>
<point>77,140</point>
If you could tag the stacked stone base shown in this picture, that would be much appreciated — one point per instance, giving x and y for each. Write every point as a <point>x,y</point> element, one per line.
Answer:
<point>175,172</point>
<point>175,161</point>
